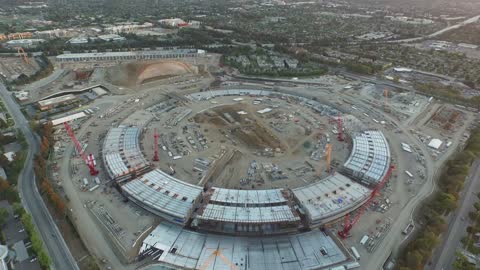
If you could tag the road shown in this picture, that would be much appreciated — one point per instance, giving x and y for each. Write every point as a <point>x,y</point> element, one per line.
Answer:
<point>446,29</point>
<point>61,257</point>
<point>445,255</point>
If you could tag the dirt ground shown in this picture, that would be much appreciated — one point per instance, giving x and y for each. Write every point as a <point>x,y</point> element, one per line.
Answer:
<point>247,150</point>
<point>250,130</point>
<point>14,66</point>
<point>133,74</point>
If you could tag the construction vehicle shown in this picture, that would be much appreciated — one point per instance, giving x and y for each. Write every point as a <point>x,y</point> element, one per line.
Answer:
<point>90,161</point>
<point>349,223</point>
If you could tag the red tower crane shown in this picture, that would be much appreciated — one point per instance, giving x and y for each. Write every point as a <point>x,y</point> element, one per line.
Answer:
<point>89,161</point>
<point>155,146</point>
<point>340,129</point>
<point>348,224</point>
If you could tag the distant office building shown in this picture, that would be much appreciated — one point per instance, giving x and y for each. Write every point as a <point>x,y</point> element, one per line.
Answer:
<point>173,22</point>
<point>128,56</point>
<point>78,40</point>
<point>25,43</point>
<point>111,37</point>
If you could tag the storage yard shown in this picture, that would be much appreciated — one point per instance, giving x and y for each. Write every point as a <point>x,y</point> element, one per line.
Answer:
<point>301,174</point>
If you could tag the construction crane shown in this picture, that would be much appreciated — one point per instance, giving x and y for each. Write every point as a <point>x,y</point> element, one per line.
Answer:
<point>88,160</point>
<point>22,54</point>
<point>328,157</point>
<point>155,146</point>
<point>217,253</point>
<point>348,223</point>
<point>340,136</point>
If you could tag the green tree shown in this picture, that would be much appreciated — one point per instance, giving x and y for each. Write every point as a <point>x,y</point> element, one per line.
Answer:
<point>461,263</point>
<point>414,260</point>
<point>477,206</point>
<point>43,258</point>
<point>3,216</point>
<point>445,202</point>
<point>18,209</point>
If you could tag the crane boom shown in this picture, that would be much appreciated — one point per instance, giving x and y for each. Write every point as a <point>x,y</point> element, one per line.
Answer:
<point>328,157</point>
<point>89,161</point>
<point>155,146</point>
<point>348,224</point>
<point>340,136</point>
<point>23,55</point>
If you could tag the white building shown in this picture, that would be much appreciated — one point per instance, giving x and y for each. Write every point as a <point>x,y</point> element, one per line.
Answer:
<point>111,37</point>
<point>172,22</point>
<point>78,40</point>
<point>24,42</point>
<point>128,56</point>
<point>435,144</point>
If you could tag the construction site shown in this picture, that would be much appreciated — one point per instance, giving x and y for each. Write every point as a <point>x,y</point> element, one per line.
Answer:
<point>13,67</point>
<point>162,168</point>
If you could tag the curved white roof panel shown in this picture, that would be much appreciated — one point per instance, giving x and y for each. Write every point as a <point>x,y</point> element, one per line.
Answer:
<point>193,249</point>
<point>331,196</point>
<point>370,157</point>
<point>233,214</point>
<point>247,197</point>
<point>122,154</point>
<point>163,193</point>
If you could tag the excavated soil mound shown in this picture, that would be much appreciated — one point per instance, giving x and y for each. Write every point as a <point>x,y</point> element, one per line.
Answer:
<point>132,74</point>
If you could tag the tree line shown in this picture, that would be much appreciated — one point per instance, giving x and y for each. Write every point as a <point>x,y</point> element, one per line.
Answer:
<point>448,93</point>
<point>432,214</point>
<point>40,167</point>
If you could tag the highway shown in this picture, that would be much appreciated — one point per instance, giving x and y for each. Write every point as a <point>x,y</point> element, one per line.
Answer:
<point>61,257</point>
<point>446,29</point>
<point>444,256</point>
